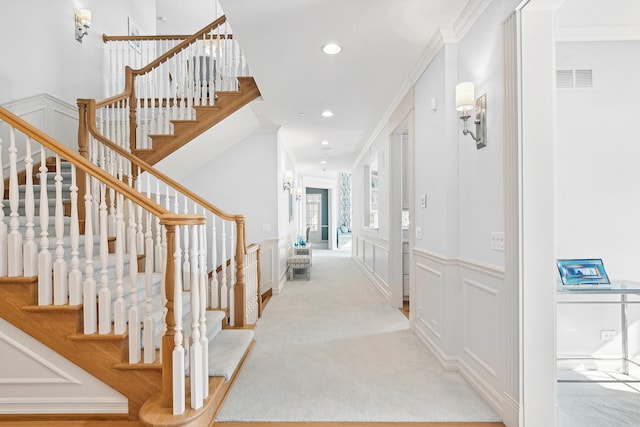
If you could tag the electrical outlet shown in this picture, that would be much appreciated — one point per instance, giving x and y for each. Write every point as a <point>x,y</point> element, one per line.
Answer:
<point>607,335</point>
<point>423,201</point>
<point>418,232</point>
<point>497,240</point>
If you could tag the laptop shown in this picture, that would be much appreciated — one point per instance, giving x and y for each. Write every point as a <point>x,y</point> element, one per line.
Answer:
<point>583,274</point>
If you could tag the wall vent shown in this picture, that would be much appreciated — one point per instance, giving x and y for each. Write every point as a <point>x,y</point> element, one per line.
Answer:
<point>574,79</point>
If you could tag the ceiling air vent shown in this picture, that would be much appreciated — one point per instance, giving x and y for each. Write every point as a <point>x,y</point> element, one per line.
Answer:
<point>584,78</point>
<point>574,79</point>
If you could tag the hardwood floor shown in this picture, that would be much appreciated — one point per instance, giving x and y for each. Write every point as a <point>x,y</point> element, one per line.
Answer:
<point>122,423</point>
<point>405,308</point>
<point>317,424</point>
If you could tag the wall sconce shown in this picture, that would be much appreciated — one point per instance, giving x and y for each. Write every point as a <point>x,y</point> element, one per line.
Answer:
<point>298,194</point>
<point>465,100</point>
<point>83,22</point>
<point>287,182</point>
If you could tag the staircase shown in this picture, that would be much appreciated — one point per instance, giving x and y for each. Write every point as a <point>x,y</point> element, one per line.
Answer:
<point>124,285</point>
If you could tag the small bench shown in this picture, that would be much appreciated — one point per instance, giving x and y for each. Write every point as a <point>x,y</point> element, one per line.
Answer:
<point>299,262</point>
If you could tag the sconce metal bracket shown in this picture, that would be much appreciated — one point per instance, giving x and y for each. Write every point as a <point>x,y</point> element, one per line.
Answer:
<point>481,122</point>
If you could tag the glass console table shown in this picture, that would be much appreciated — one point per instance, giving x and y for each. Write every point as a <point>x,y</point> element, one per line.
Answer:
<point>623,290</point>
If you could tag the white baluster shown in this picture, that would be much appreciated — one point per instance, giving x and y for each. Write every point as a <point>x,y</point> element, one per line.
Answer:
<point>30,249</point>
<point>134,317</point>
<point>15,237</point>
<point>224,290</point>
<point>178,351</point>
<point>139,234</point>
<point>195,353</point>
<point>75,275</point>
<point>119,307</point>
<point>3,226</point>
<point>149,252</point>
<point>214,291</point>
<point>45,290</point>
<point>158,268</point>
<point>112,195</point>
<point>149,323</point>
<point>186,265</point>
<point>89,285</point>
<point>202,283</point>
<point>104,296</point>
<point>232,274</point>
<point>60,274</point>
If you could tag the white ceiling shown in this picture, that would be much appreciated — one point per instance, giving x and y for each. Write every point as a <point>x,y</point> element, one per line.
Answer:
<point>382,42</point>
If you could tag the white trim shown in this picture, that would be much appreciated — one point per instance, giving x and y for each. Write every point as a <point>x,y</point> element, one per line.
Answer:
<point>63,405</point>
<point>492,396</point>
<point>63,376</point>
<point>597,33</point>
<point>480,267</point>
<point>469,16</point>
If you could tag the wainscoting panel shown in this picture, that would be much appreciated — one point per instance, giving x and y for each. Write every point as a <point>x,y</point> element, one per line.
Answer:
<point>268,265</point>
<point>428,299</point>
<point>459,316</point>
<point>480,308</point>
<point>372,255</point>
<point>369,255</point>
<point>35,379</point>
<point>381,265</point>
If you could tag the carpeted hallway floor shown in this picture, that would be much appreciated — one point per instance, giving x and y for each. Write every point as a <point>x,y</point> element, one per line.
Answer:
<point>331,349</point>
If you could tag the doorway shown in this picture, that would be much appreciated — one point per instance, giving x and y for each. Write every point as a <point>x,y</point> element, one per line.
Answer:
<point>317,208</point>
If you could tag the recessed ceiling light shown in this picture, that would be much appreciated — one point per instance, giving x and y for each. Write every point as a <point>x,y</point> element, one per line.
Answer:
<point>323,162</point>
<point>324,143</point>
<point>331,48</point>
<point>327,113</point>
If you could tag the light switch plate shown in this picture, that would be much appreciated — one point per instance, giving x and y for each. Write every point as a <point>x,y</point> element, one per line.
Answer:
<point>418,232</point>
<point>423,201</point>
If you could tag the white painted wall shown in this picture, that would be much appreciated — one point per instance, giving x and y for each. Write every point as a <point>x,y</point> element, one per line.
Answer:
<point>458,306</point>
<point>244,180</point>
<point>597,203</point>
<point>41,55</point>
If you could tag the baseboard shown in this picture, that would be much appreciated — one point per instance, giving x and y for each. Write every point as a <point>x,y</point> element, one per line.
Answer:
<point>448,363</point>
<point>491,396</point>
<point>375,279</point>
<point>511,411</point>
<point>61,405</point>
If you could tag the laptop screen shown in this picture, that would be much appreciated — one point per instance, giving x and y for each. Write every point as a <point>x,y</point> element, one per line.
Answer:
<point>582,271</point>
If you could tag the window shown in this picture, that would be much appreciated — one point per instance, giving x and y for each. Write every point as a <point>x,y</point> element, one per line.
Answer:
<point>371,195</point>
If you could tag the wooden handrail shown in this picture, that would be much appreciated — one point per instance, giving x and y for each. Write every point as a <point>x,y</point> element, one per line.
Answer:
<point>180,46</point>
<point>86,166</point>
<point>106,38</point>
<point>91,109</point>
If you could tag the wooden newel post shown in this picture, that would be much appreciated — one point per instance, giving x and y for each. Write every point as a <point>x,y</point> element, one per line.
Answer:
<point>240,305</point>
<point>168,340</point>
<point>83,150</point>
<point>133,104</point>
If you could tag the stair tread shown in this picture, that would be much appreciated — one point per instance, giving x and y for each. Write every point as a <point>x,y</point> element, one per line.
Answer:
<point>226,351</point>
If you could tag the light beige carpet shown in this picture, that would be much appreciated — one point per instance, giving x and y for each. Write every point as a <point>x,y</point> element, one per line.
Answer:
<point>331,349</point>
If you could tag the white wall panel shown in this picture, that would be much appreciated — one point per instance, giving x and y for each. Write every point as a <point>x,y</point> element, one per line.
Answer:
<point>480,324</point>
<point>428,299</point>
<point>35,379</point>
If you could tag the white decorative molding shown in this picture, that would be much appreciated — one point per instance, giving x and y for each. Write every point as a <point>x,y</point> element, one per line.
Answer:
<point>494,309</point>
<point>63,377</point>
<point>489,269</point>
<point>469,16</point>
<point>448,363</point>
<point>490,394</point>
<point>597,33</point>
<point>433,324</point>
<point>63,405</point>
